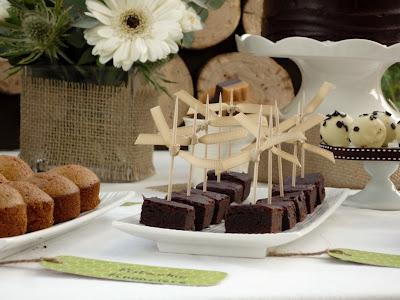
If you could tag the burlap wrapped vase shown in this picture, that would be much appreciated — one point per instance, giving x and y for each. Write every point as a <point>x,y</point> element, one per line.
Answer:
<point>87,123</point>
<point>342,174</point>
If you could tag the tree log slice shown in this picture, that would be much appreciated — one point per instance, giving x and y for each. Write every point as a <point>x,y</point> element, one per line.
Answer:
<point>176,71</point>
<point>220,24</point>
<point>269,82</point>
<point>253,15</point>
<point>9,85</point>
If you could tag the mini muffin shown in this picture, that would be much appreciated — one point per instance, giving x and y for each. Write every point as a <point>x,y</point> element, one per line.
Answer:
<point>67,202</point>
<point>13,214</point>
<point>40,206</point>
<point>3,179</point>
<point>86,180</point>
<point>14,168</point>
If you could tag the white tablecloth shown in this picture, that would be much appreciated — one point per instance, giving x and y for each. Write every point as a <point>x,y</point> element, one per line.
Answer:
<point>269,278</point>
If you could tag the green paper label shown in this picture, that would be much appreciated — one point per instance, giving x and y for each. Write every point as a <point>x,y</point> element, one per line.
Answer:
<point>366,258</point>
<point>134,273</point>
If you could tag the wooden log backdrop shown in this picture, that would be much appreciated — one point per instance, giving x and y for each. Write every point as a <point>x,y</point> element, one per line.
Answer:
<point>210,60</point>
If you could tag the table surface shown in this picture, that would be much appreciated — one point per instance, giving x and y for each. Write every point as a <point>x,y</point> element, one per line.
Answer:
<point>269,278</point>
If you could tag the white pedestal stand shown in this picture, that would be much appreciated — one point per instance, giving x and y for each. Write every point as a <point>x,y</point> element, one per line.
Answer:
<point>355,67</point>
<point>380,192</point>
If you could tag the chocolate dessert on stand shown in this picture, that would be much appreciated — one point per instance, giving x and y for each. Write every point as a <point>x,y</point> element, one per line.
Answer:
<point>333,20</point>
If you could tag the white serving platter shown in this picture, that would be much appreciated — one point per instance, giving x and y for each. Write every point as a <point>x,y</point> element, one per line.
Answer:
<point>214,241</point>
<point>108,201</point>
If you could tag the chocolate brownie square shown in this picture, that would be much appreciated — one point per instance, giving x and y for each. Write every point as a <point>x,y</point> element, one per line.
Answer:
<point>254,218</point>
<point>167,214</point>
<point>203,208</point>
<point>233,189</point>
<point>289,218</point>
<point>309,190</point>
<point>221,202</point>
<point>243,178</point>
<point>312,178</point>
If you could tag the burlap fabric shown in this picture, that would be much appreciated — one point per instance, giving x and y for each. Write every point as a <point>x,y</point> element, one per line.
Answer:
<point>93,125</point>
<point>343,174</point>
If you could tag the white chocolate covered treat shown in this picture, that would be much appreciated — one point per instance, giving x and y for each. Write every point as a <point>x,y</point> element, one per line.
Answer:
<point>335,129</point>
<point>367,131</point>
<point>398,132</point>
<point>390,124</point>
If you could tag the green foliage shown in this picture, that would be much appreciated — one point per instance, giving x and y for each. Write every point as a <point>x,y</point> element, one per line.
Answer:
<point>51,33</point>
<point>36,30</point>
<point>391,85</point>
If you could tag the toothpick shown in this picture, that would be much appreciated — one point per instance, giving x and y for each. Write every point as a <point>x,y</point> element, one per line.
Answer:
<point>189,184</point>
<point>207,118</point>
<point>173,144</point>
<point>257,163</point>
<point>280,169</point>
<point>231,115</point>
<point>295,150</point>
<point>302,151</point>
<point>271,125</point>
<point>220,130</point>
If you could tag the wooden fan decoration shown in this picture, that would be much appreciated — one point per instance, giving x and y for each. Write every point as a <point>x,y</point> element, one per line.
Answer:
<point>306,118</point>
<point>257,160</point>
<point>311,107</point>
<point>266,143</point>
<point>194,142</point>
<point>280,166</point>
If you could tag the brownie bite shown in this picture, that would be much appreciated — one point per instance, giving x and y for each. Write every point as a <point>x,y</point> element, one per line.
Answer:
<point>289,218</point>
<point>233,189</point>
<point>309,190</point>
<point>203,208</point>
<point>254,218</point>
<point>161,213</point>
<point>243,178</point>
<point>312,178</point>
<point>221,202</point>
<point>299,201</point>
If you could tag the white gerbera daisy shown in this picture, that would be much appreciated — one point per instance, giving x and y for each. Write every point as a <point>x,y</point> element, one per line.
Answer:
<point>191,21</point>
<point>134,30</point>
<point>4,6</point>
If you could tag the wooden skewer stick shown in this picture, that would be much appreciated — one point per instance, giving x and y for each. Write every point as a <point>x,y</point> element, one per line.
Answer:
<point>173,144</point>
<point>280,169</point>
<point>231,115</point>
<point>302,150</point>
<point>295,150</point>
<point>219,145</point>
<point>271,126</point>
<point>207,119</point>
<point>257,162</point>
<point>189,183</point>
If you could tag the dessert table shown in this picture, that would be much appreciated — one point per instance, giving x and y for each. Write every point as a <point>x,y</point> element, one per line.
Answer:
<point>269,278</point>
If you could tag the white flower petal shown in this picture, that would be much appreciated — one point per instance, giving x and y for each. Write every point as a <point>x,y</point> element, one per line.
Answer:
<point>106,20</point>
<point>4,6</point>
<point>166,20</point>
<point>96,6</point>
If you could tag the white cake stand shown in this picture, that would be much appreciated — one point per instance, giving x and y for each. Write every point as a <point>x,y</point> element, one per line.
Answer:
<point>355,67</point>
<point>380,193</point>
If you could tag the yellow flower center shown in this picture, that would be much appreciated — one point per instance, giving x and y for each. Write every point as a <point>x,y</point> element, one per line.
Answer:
<point>133,22</point>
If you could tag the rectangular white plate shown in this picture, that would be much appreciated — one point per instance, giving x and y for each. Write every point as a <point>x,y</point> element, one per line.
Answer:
<point>108,201</point>
<point>214,240</point>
